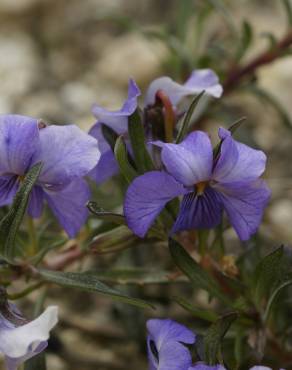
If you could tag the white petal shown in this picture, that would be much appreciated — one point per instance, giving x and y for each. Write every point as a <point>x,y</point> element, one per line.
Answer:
<point>17,342</point>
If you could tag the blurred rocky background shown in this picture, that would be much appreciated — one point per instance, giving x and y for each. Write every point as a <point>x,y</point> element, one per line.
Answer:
<point>58,57</point>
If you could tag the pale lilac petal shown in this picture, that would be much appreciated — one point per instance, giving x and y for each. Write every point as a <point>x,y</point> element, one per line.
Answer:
<point>18,344</point>
<point>190,161</point>
<point>118,120</point>
<point>19,137</point>
<point>67,153</point>
<point>205,79</point>
<point>202,366</point>
<point>198,81</point>
<point>244,204</point>
<point>168,339</point>
<point>69,205</point>
<point>36,202</point>
<point>260,368</point>
<point>107,165</point>
<point>237,162</point>
<point>199,211</point>
<point>146,197</point>
<point>8,188</point>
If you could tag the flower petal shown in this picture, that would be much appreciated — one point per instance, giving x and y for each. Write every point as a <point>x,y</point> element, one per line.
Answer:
<point>106,168</point>
<point>146,197</point>
<point>69,205</point>
<point>168,339</point>
<point>204,79</point>
<point>238,162</point>
<point>18,342</point>
<point>199,212</point>
<point>67,153</point>
<point>190,161</point>
<point>8,188</point>
<point>36,202</point>
<point>118,120</point>
<point>107,165</point>
<point>19,137</point>
<point>244,204</point>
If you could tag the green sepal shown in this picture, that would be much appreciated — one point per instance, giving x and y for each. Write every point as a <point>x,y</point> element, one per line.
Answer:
<point>10,224</point>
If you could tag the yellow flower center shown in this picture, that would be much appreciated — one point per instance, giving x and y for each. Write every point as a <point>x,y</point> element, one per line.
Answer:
<point>201,186</point>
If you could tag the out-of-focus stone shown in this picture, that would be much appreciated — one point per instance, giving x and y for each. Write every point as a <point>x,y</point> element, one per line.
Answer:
<point>131,55</point>
<point>16,6</point>
<point>18,64</point>
<point>280,214</point>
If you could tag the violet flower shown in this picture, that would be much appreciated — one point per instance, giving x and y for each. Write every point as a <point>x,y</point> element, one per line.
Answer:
<point>117,121</point>
<point>166,345</point>
<point>67,154</point>
<point>230,182</point>
<point>19,339</point>
<point>204,79</point>
<point>200,79</point>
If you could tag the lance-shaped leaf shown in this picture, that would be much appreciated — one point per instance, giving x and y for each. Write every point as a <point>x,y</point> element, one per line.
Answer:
<point>9,225</point>
<point>114,240</point>
<point>275,295</point>
<point>105,215</point>
<point>246,39</point>
<point>187,118</point>
<point>197,275</point>
<point>142,158</point>
<point>203,314</point>
<point>89,282</point>
<point>122,158</point>
<point>110,136</point>
<point>135,276</point>
<point>215,335</point>
<point>268,273</point>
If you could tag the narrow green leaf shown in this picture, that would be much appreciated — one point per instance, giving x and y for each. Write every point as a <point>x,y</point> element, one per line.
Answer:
<point>268,273</point>
<point>200,313</point>
<point>273,297</point>
<point>9,225</point>
<point>113,240</point>
<point>121,155</point>
<point>215,335</point>
<point>234,127</point>
<point>110,135</point>
<point>187,118</point>
<point>135,276</point>
<point>197,275</point>
<point>142,158</point>
<point>105,215</point>
<point>246,40</point>
<point>89,282</point>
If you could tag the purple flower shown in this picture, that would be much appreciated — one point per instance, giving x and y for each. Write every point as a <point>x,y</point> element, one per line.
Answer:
<point>166,345</point>
<point>200,79</point>
<point>230,182</point>
<point>117,121</point>
<point>204,79</point>
<point>19,339</point>
<point>67,154</point>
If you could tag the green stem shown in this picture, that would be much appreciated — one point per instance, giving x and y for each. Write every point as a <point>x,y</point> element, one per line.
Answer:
<point>26,291</point>
<point>33,240</point>
<point>202,239</point>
